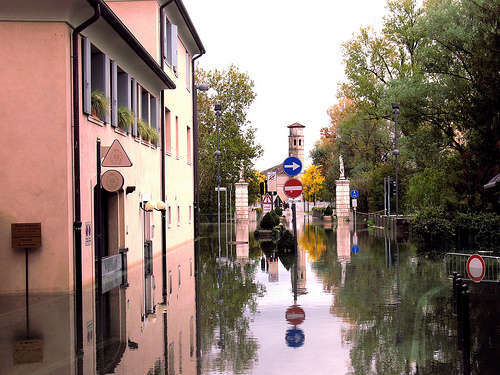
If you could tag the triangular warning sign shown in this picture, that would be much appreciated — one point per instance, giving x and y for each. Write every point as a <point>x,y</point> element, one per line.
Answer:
<point>267,199</point>
<point>116,156</point>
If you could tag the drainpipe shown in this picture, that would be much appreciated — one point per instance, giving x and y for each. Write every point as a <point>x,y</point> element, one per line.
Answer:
<point>163,184</point>
<point>77,224</point>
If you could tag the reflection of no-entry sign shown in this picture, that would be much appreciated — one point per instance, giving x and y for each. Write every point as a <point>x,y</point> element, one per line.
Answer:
<point>295,315</point>
<point>476,268</point>
<point>292,188</point>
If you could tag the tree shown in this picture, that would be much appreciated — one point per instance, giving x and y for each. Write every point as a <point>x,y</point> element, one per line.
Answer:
<point>254,181</point>
<point>234,91</point>
<point>312,182</point>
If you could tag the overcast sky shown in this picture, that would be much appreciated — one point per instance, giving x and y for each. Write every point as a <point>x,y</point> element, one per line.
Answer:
<point>292,51</point>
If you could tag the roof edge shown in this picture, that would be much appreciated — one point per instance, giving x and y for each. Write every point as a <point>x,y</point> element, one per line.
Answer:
<point>132,41</point>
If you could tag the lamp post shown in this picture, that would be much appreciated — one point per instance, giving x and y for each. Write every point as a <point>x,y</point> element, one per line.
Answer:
<point>218,114</point>
<point>395,152</point>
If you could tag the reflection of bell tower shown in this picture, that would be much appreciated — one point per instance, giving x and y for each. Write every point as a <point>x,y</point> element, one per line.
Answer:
<point>296,141</point>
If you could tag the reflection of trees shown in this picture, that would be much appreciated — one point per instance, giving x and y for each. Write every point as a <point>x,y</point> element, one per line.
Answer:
<point>370,301</point>
<point>313,240</point>
<point>239,301</point>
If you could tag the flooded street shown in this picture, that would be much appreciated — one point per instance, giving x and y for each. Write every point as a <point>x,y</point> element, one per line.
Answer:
<point>381,309</point>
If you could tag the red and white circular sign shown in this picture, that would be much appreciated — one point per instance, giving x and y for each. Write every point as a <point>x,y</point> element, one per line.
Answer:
<point>295,315</point>
<point>476,268</point>
<point>292,188</point>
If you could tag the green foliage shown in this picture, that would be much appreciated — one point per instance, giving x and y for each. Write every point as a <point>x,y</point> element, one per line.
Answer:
<point>153,136</point>
<point>328,211</point>
<point>278,211</point>
<point>318,212</point>
<point>99,103</point>
<point>142,129</point>
<point>433,227</point>
<point>477,230</point>
<point>269,221</point>
<point>125,118</point>
<point>233,89</point>
<point>286,240</point>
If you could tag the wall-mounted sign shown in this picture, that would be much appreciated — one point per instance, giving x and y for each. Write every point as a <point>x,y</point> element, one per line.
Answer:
<point>26,235</point>
<point>112,180</point>
<point>88,233</point>
<point>116,156</point>
<point>28,351</point>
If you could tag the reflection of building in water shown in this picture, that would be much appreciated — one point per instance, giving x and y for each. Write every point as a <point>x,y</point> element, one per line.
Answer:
<point>343,246</point>
<point>273,269</point>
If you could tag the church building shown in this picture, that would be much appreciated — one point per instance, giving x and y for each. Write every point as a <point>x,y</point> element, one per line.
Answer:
<point>276,177</point>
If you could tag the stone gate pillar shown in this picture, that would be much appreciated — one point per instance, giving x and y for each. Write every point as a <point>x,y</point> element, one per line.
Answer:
<point>343,202</point>
<point>241,201</point>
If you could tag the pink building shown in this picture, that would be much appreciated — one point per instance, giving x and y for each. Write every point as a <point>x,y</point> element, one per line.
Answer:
<point>80,76</point>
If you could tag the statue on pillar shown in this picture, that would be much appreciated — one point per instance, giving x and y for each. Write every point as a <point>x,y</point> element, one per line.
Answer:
<point>242,171</point>
<point>341,162</point>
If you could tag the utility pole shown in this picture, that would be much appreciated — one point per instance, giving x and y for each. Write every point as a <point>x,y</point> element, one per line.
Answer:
<point>218,113</point>
<point>395,152</point>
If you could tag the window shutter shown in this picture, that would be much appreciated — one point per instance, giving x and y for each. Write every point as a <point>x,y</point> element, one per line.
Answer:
<point>86,75</point>
<point>107,85</point>
<point>154,112</point>
<point>134,106</point>
<point>164,35</point>
<point>174,46</point>
<point>114,93</point>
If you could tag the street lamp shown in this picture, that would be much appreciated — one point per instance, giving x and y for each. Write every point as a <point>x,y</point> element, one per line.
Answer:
<point>218,114</point>
<point>395,152</point>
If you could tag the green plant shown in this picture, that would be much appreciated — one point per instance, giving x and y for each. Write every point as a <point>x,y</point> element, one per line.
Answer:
<point>276,218</point>
<point>142,129</point>
<point>267,222</point>
<point>432,227</point>
<point>154,137</point>
<point>278,211</point>
<point>328,211</point>
<point>99,103</point>
<point>286,241</point>
<point>125,118</point>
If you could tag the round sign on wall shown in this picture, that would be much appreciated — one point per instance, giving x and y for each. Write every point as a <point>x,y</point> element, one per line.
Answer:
<point>476,267</point>
<point>292,188</point>
<point>112,180</point>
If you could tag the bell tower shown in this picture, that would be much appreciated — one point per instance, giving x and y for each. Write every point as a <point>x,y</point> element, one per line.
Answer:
<point>296,141</point>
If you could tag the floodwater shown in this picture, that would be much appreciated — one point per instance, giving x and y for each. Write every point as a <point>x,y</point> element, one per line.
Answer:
<point>344,303</point>
<point>378,308</point>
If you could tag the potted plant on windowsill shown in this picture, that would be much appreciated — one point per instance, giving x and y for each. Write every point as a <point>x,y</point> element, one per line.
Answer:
<point>154,137</point>
<point>125,118</point>
<point>142,129</point>
<point>99,104</point>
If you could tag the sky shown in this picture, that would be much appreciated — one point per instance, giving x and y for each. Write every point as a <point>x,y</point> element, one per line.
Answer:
<point>292,51</point>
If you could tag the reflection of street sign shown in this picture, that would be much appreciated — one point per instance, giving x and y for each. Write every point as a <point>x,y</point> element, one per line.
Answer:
<point>476,267</point>
<point>292,166</point>
<point>295,337</point>
<point>295,315</point>
<point>354,194</point>
<point>355,238</point>
<point>292,188</point>
<point>355,249</point>
<point>354,203</point>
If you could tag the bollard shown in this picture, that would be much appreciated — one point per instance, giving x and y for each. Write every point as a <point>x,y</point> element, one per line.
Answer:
<point>465,329</point>
<point>455,276</point>
<point>458,309</point>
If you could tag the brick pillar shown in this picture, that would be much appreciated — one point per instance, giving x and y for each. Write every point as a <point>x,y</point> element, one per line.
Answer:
<point>343,202</point>
<point>241,204</point>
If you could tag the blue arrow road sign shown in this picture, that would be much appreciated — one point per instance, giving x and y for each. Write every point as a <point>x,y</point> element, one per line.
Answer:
<point>295,337</point>
<point>354,194</point>
<point>292,166</point>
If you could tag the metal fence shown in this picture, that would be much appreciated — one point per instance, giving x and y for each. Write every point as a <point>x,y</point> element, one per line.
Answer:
<point>457,262</point>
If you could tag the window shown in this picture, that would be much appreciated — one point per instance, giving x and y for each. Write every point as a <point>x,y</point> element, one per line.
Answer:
<point>169,216</point>
<point>177,137</point>
<point>189,145</point>
<point>179,276</point>
<point>300,141</point>
<point>169,42</point>
<point>295,142</point>
<point>188,71</point>
<point>124,90</point>
<point>168,132</point>
<point>178,215</point>
<point>145,106</point>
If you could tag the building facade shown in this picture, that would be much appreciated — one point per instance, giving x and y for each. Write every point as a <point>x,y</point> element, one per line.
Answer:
<point>98,135</point>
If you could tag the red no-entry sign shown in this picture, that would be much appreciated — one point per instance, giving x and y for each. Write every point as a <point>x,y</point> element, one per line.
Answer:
<point>476,268</point>
<point>295,315</point>
<point>292,188</point>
